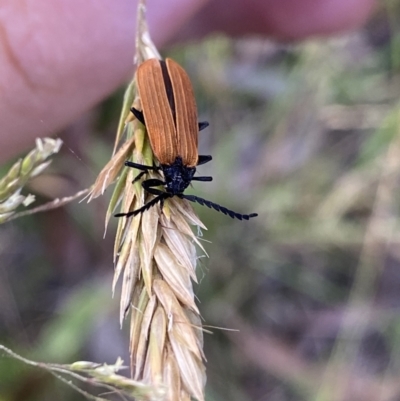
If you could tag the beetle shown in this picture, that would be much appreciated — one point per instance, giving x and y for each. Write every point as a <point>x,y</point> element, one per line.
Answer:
<point>169,113</point>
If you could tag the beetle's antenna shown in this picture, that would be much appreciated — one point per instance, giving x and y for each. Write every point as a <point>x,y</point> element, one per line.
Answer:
<point>147,206</point>
<point>218,208</point>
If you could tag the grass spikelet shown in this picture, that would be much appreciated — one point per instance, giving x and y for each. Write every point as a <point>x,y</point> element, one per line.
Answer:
<point>155,255</point>
<point>20,173</point>
<point>102,376</point>
<point>171,375</point>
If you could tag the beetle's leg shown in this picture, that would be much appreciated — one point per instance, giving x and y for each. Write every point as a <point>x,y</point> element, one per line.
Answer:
<point>148,205</point>
<point>203,159</point>
<point>218,208</point>
<point>142,167</point>
<point>139,176</point>
<point>203,124</point>
<point>149,184</point>
<point>202,179</point>
<point>138,114</point>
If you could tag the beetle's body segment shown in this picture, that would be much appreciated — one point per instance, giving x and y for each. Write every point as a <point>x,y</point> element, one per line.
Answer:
<point>169,110</point>
<point>177,176</point>
<point>169,114</point>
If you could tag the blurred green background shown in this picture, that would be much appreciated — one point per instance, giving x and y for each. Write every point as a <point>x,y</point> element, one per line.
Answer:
<point>307,135</point>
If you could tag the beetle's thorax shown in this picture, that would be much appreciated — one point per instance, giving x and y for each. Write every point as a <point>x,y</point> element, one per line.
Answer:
<point>177,176</point>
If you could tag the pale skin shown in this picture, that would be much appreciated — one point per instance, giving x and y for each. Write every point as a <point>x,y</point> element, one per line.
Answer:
<point>59,58</point>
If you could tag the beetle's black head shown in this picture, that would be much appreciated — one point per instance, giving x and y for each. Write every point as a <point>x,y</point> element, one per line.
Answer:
<point>177,176</point>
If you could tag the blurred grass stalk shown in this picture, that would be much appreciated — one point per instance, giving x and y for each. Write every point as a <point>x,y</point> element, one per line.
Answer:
<point>156,255</point>
<point>380,233</point>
